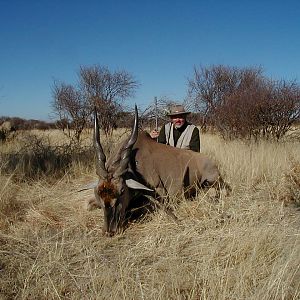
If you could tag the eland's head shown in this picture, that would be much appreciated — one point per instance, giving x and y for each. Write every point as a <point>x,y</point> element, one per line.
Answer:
<point>112,193</point>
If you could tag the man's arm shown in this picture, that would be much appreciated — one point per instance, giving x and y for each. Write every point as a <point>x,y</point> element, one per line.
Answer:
<point>195,140</point>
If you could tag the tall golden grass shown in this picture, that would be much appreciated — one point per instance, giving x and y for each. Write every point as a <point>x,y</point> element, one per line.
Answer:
<point>246,246</point>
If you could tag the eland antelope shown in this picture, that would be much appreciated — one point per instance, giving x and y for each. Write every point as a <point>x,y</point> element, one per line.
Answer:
<point>140,163</point>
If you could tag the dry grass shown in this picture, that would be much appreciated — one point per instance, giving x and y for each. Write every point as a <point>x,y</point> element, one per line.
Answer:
<point>247,246</point>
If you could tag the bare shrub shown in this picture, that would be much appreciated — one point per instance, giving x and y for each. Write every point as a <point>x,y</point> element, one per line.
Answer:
<point>38,158</point>
<point>71,107</point>
<point>98,87</point>
<point>267,109</point>
<point>283,108</point>
<point>106,91</point>
<point>242,103</point>
<point>238,115</point>
<point>209,86</point>
<point>7,131</point>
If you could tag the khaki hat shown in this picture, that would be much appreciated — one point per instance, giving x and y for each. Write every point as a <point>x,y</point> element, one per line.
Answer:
<point>177,109</point>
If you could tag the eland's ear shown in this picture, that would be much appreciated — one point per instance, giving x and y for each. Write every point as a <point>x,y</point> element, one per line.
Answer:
<point>131,183</point>
<point>88,186</point>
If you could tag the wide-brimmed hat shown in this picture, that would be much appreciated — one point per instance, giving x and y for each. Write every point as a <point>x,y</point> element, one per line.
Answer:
<point>177,109</point>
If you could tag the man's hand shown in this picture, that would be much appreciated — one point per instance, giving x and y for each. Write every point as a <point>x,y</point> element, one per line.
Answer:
<point>154,134</point>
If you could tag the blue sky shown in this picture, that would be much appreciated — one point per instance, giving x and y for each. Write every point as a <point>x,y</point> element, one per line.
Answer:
<point>158,42</point>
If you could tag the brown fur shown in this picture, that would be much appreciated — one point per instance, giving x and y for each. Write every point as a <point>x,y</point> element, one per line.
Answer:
<point>170,170</point>
<point>107,192</point>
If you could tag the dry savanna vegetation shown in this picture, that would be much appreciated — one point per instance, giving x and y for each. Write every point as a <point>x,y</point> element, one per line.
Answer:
<point>243,246</point>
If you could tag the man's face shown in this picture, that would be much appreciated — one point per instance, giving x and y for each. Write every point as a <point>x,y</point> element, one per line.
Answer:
<point>178,120</point>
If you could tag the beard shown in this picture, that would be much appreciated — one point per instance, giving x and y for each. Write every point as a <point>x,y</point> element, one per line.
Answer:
<point>178,122</point>
<point>177,126</point>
